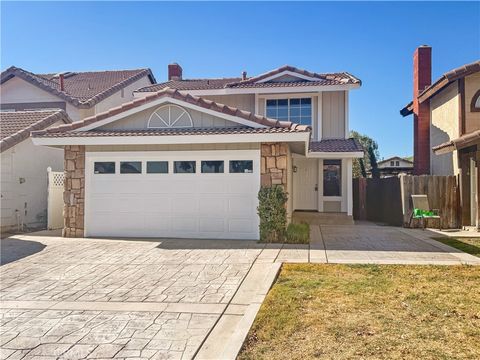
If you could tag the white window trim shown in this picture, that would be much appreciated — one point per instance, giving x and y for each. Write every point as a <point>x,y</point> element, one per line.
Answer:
<point>298,96</point>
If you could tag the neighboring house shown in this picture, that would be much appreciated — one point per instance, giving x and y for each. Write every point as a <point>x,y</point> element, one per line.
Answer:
<point>26,100</point>
<point>190,163</point>
<point>80,94</point>
<point>394,166</point>
<point>24,167</point>
<point>446,125</point>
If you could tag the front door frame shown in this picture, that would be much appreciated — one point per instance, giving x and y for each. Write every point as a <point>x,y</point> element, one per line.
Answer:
<point>301,186</point>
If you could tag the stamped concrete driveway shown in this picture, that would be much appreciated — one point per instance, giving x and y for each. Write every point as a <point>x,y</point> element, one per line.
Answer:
<point>86,298</point>
<point>98,299</point>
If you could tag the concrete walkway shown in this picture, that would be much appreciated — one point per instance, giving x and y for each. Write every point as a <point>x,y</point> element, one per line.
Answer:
<point>158,299</point>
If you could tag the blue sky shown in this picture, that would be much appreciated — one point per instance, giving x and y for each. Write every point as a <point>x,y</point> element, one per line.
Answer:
<point>372,40</point>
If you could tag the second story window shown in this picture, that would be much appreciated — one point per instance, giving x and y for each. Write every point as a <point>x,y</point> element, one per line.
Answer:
<point>295,110</point>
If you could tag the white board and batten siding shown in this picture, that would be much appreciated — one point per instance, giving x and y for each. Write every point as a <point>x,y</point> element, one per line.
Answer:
<point>211,206</point>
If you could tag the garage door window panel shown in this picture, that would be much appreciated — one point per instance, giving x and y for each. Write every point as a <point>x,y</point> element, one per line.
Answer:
<point>157,167</point>
<point>104,167</point>
<point>184,167</point>
<point>130,167</point>
<point>241,166</point>
<point>212,167</point>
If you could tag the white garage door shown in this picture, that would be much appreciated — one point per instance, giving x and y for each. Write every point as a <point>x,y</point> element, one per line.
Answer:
<point>198,194</point>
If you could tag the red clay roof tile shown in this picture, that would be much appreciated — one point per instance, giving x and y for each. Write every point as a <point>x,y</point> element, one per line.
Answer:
<point>341,78</point>
<point>81,89</point>
<point>16,126</point>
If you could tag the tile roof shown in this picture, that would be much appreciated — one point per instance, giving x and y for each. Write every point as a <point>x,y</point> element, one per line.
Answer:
<point>442,82</point>
<point>342,78</point>
<point>16,126</point>
<point>175,94</point>
<point>81,89</point>
<point>336,145</point>
<point>395,158</point>
<point>191,84</point>
<point>172,132</point>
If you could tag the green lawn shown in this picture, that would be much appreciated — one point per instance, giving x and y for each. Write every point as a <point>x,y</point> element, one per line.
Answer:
<point>332,311</point>
<point>468,245</point>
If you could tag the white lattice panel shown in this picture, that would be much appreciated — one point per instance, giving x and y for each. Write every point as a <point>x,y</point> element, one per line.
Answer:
<point>55,199</point>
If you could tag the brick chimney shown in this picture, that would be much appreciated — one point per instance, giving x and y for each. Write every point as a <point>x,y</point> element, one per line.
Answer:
<point>61,77</point>
<point>174,72</point>
<point>422,78</point>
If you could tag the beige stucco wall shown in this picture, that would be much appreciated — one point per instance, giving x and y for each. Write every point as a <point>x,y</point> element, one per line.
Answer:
<point>472,119</point>
<point>17,90</point>
<point>29,162</point>
<point>117,98</point>
<point>140,120</point>
<point>444,127</point>
<point>333,115</point>
<point>244,102</point>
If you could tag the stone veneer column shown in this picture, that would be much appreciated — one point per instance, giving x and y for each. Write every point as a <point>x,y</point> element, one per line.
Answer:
<point>273,165</point>
<point>74,192</point>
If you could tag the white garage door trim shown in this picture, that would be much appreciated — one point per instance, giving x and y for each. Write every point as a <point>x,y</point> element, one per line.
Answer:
<point>232,197</point>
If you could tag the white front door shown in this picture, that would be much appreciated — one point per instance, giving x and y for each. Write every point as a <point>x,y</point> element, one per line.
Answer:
<point>177,194</point>
<point>305,184</point>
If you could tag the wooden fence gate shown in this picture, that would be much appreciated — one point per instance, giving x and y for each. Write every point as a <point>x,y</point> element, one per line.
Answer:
<point>388,200</point>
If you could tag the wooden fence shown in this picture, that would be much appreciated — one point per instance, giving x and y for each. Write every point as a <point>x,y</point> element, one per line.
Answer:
<point>388,200</point>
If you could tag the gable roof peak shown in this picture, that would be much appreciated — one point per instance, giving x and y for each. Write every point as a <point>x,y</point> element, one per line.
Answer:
<point>182,96</point>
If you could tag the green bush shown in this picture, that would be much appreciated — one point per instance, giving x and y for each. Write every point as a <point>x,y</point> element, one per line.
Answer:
<point>298,234</point>
<point>273,213</point>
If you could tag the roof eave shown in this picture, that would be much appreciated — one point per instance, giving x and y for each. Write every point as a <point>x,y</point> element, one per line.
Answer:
<point>407,110</point>
<point>25,133</point>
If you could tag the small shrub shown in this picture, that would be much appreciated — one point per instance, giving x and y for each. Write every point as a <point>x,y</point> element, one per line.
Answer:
<point>272,213</point>
<point>298,234</point>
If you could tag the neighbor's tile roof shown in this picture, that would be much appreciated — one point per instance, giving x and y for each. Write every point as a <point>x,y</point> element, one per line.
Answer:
<point>15,126</point>
<point>336,145</point>
<point>342,78</point>
<point>441,83</point>
<point>175,94</point>
<point>81,89</point>
<point>170,132</point>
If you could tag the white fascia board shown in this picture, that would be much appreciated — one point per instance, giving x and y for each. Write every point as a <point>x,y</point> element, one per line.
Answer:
<point>290,73</point>
<point>174,139</point>
<point>268,90</point>
<point>169,100</point>
<point>335,155</point>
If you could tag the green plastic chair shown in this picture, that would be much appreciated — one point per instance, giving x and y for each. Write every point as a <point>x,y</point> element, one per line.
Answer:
<point>422,211</point>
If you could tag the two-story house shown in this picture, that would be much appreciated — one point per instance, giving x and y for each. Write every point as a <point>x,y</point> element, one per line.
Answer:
<point>187,157</point>
<point>446,117</point>
<point>394,166</point>
<point>31,101</point>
